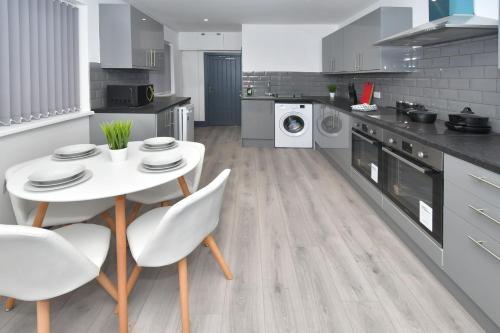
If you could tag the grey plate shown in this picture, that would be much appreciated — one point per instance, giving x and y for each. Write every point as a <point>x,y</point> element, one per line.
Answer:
<point>94,153</point>
<point>31,188</point>
<point>181,165</point>
<point>151,149</point>
<point>163,166</point>
<point>58,182</point>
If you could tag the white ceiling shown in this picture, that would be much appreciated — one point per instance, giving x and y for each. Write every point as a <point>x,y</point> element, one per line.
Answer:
<point>228,15</point>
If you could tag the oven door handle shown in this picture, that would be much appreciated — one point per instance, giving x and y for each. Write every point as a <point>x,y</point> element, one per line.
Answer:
<point>364,138</point>
<point>407,162</point>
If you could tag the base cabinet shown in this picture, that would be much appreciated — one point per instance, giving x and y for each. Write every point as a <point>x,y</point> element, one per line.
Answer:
<point>257,123</point>
<point>472,260</point>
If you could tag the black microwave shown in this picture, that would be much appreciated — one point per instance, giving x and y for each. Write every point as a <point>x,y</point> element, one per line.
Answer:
<point>130,95</point>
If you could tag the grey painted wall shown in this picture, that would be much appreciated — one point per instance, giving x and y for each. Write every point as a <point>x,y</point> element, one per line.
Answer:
<point>100,78</point>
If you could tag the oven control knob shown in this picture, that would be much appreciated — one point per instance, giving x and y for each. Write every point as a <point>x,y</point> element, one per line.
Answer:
<point>372,132</point>
<point>392,141</point>
<point>421,154</point>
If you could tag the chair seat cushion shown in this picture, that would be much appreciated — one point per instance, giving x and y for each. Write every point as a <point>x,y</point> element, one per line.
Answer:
<point>90,239</point>
<point>168,191</point>
<point>140,231</point>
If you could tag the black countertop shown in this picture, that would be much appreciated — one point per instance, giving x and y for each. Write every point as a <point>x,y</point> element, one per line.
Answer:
<point>480,149</point>
<point>159,104</point>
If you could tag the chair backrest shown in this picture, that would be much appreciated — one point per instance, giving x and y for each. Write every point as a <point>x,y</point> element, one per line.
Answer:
<point>21,207</point>
<point>38,264</point>
<point>193,177</point>
<point>185,225</point>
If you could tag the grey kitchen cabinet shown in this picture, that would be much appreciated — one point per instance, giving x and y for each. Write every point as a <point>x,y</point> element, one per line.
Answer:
<point>355,43</point>
<point>472,260</point>
<point>333,54</point>
<point>129,38</point>
<point>144,125</point>
<point>257,122</point>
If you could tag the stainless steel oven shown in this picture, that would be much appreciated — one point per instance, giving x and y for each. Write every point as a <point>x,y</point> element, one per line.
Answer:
<point>412,178</point>
<point>366,150</point>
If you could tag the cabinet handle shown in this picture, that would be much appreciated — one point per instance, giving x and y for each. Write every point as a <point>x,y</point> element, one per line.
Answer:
<point>154,58</point>
<point>334,65</point>
<point>481,245</point>
<point>482,211</point>
<point>485,180</point>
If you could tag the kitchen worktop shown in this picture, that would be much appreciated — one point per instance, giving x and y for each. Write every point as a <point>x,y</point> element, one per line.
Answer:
<point>159,104</point>
<point>480,149</point>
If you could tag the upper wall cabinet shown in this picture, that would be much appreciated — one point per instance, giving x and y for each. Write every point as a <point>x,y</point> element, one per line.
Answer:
<point>210,41</point>
<point>351,49</point>
<point>129,38</point>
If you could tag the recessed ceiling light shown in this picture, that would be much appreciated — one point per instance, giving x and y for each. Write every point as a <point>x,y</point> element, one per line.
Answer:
<point>205,20</point>
<point>143,19</point>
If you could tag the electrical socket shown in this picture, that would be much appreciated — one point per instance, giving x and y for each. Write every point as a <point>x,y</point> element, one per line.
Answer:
<point>376,94</point>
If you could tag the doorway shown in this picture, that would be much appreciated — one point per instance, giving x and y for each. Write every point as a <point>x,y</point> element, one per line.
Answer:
<point>222,89</point>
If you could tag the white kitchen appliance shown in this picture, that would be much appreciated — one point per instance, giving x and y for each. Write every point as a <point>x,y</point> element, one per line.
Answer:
<point>185,122</point>
<point>293,125</point>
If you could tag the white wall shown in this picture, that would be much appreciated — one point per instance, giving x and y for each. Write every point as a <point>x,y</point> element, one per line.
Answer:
<point>210,41</point>
<point>486,8</point>
<point>36,143</point>
<point>294,48</point>
<point>193,81</point>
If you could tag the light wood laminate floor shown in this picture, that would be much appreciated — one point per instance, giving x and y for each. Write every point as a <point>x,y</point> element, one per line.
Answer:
<point>308,255</point>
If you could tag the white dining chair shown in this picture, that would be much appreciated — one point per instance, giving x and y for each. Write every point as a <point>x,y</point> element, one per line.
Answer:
<point>40,264</point>
<point>26,211</point>
<point>167,235</point>
<point>170,191</point>
<point>57,213</point>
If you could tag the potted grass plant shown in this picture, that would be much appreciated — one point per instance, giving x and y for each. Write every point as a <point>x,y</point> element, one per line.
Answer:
<point>332,88</point>
<point>117,134</point>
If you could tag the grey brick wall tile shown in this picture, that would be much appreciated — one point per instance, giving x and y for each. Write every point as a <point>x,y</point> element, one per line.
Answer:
<point>448,94</point>
<point>424,83</point>
<point>439,83</point>
<point>459,83</point>
<point>483,84</point>
<point>450,50</point>
<point>472,72</point>
<point>472,47</point>
<point>491,98</point>
<point>491,45</point>
<point>485,59</point>
<point>432,52</point>
<point>441,62</point>
<point>491,72</point>
<point>461,60</point>
<point>470,96</point>
<point>450,73</point>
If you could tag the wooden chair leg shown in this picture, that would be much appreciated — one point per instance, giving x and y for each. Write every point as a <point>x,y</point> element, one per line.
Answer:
<point>109,221</point>
<point>106,283</point>
<point>184,186</point>
<point>43,316</point>
<point>9,304</point>
<point>136,207</point>
<point>184,295</point>
<point>218,256</point>
<point>165,203</point>
<point>131,282</point>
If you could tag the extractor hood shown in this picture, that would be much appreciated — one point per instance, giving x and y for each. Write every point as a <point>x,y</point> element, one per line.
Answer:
<point>443,30</point>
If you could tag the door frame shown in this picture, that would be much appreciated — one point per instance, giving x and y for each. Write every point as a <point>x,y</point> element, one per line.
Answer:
<point>205,85</point>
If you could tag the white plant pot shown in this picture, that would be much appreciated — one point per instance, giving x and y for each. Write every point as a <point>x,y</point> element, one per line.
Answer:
<point>332,96</point>
<point>118,155</point>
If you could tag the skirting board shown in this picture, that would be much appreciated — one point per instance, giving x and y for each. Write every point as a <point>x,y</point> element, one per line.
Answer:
<point>486,323</point>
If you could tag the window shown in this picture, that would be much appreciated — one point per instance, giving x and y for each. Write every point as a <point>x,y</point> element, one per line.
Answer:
<point>39,60</point>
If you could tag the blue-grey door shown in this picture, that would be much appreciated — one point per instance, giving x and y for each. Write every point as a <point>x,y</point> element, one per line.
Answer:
<point>222,89</point>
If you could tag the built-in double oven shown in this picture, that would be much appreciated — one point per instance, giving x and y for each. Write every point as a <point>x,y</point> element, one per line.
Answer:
<point>409,173</point>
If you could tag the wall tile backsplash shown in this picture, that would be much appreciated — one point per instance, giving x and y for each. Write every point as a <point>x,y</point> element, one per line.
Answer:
<point>101,78</point>
<point>287,83</point>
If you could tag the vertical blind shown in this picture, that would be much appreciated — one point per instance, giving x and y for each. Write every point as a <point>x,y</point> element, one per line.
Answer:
<point>39,64</point>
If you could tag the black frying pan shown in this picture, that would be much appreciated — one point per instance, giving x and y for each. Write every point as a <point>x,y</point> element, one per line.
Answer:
<point>422,116</point>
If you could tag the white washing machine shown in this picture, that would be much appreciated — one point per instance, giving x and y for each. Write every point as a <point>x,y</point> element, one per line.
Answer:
<point>293,125</point>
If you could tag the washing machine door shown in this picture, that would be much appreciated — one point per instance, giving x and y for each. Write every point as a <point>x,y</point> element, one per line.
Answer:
<point>329,123</point>
<point>293,124</point>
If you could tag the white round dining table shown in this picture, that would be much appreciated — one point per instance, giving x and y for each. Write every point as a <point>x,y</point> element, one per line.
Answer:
<point>109,179</point>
